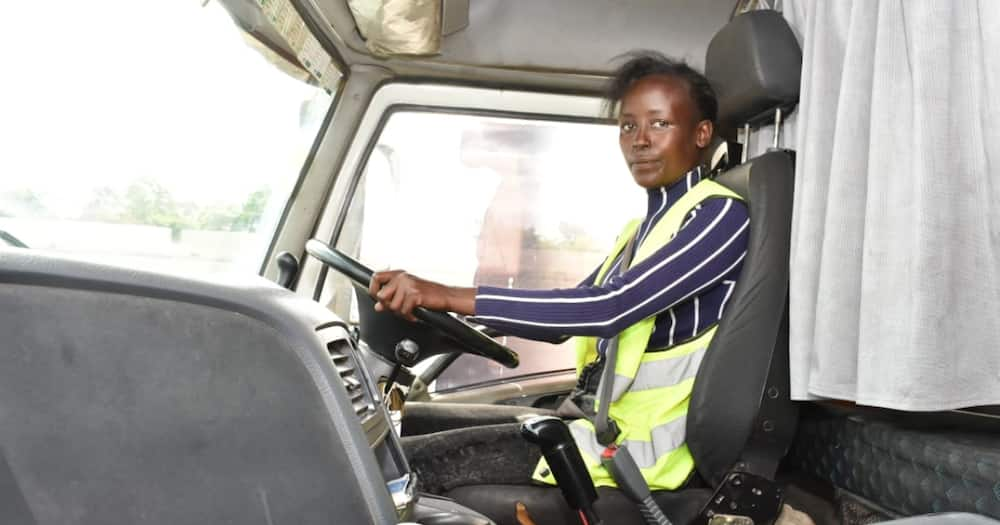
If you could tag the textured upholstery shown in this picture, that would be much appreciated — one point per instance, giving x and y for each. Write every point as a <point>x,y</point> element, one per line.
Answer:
<point>905,470</point>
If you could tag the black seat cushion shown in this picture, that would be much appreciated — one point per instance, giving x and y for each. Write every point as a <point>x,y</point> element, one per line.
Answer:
<point>547,505</point>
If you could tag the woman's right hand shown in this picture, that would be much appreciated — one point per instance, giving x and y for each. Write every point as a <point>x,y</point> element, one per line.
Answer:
<point>400,292</point>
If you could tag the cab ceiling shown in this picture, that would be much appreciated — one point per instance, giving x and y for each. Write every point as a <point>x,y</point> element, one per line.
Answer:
<point>556,44</point>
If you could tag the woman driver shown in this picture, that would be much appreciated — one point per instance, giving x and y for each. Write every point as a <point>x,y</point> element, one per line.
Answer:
<point>661,292</point>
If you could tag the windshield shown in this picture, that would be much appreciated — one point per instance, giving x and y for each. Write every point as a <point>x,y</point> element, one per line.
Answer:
<point>147,134</point>
<point>519,211</point>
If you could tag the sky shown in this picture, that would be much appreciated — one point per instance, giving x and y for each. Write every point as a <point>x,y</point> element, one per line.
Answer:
<point>103,92</point>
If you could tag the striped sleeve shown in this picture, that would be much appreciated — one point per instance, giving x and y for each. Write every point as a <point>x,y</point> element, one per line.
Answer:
<point>708,249</point>
<point>540,335</point>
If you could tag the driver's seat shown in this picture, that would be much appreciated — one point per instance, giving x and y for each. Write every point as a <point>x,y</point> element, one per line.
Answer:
<point>740,415</point>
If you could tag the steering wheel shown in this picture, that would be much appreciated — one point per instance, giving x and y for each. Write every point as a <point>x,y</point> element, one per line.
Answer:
<point>472,340</point>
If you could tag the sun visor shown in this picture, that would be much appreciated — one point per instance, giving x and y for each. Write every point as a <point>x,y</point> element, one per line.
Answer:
<point>276,30</point>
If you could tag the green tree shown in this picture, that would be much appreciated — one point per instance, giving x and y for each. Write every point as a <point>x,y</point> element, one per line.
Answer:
<point>249,216</point>
<point>219,217</point>
<point>146,201</point>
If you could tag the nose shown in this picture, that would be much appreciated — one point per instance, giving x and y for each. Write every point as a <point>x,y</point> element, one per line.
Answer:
<point>641,140</point>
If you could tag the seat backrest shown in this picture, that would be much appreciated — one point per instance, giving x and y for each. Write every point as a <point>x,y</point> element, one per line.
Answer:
<point>740,414</point>
<point>129,397</point>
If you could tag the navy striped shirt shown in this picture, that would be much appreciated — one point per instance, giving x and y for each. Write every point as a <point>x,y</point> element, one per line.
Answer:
<point>685,284</point>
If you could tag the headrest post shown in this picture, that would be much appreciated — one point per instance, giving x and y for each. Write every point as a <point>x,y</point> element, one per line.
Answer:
<point>777,126</point>
<point>746,143</point>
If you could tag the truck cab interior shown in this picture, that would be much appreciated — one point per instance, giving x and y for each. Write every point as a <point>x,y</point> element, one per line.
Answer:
<point>135,394</point>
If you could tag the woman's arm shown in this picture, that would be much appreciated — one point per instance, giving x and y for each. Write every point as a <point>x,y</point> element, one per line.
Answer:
<point>401,292</point>
<point>708,249</point>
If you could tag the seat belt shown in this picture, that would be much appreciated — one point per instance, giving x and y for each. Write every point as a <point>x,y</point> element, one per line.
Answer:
<point>617,460</point>
<point>605,427</point>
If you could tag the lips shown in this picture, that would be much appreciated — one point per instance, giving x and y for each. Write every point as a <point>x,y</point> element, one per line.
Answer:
<point>644,163</point>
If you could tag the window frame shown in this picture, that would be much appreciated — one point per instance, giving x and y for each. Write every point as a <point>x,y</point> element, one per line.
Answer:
<point>304,168</point>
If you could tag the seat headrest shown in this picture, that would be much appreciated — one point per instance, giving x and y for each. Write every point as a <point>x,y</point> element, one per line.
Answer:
<point>754,64</point>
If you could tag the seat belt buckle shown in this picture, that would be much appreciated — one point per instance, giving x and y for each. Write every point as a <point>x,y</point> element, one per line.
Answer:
<point>619,463</point>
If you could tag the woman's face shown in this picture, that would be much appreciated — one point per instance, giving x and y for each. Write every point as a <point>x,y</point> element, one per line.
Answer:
<point>660,134</point>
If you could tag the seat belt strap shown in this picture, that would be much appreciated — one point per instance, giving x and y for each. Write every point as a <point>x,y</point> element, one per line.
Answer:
<point>604,427</point>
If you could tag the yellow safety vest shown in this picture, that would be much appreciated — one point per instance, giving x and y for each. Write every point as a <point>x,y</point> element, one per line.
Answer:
<point>651,391</point>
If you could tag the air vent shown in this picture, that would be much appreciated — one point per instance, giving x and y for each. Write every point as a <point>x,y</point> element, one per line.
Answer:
<point>340,352</point>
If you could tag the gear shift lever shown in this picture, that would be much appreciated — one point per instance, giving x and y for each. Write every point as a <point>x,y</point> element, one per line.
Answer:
<point>563,457</point>
<point>288,269</point>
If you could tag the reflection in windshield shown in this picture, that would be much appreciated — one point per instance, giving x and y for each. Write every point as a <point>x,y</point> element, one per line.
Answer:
<point>146,145</point>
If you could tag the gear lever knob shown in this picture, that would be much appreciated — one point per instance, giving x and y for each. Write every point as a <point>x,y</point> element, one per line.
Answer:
<point>561,453</point>
<point>288,268</point>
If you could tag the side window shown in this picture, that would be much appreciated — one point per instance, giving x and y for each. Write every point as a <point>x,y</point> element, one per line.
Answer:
<point>477,200</point>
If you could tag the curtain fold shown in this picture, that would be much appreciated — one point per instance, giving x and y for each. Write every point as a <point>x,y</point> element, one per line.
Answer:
<point>895,285</point>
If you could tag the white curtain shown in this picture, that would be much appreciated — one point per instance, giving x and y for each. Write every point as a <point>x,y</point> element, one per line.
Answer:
<point>895,286</point>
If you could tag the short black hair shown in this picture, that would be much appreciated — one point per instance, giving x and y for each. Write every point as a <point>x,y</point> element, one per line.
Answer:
<point>644,63</point>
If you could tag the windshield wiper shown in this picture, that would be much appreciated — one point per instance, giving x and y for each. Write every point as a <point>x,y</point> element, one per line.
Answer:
<point>11,240</point>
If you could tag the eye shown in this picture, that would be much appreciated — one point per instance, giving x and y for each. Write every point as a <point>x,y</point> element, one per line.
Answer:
<point>627,127</point>
<point>660,123</point>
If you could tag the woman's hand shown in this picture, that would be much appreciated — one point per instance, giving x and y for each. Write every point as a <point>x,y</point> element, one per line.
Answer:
<point>400,292</point>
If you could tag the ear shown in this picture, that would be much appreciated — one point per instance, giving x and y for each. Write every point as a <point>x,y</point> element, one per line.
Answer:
<point>703,133</point>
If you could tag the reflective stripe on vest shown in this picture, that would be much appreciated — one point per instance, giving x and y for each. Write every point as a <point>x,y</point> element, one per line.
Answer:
<point>651,390</point>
